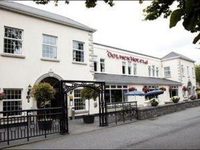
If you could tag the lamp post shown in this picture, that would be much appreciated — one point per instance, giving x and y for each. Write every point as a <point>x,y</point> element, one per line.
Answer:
<point>28,93</point>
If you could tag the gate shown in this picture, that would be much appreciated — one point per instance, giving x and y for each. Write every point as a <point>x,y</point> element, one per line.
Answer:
<point>68,85</point>
<point>25,124</point>
<point>122,112</point>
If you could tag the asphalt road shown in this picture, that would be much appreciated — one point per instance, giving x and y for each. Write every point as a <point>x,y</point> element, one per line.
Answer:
<point>180,130</point>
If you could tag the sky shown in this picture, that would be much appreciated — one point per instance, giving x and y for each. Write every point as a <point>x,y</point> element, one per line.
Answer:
<point>123,26</point>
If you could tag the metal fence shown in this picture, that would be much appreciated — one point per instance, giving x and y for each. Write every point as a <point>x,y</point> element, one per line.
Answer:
<point>30,123</point>
<point>121,112</point>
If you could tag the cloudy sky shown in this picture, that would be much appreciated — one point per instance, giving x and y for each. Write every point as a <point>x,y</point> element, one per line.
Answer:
<point>123,26</point>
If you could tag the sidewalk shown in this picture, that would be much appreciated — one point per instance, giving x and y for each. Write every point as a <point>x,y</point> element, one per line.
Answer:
<point>177,130</point>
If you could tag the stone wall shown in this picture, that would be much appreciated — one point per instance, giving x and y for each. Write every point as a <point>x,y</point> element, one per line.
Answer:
<point>150,112</point>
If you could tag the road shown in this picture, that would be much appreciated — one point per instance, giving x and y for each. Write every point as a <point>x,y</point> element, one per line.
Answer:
<point>180,130</point>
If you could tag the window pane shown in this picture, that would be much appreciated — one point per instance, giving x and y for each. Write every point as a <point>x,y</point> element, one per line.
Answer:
<point>49,48</point>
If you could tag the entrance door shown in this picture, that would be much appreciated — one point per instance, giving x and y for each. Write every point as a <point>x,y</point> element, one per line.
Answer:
<point>56,102</point>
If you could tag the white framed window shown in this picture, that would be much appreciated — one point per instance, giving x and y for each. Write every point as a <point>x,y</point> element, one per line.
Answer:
<point>12,101</point>
<point>49,46</point>
<point>123,67</point>
<point>129,69</point>
<point>149,70</point>
<point>102,65</point>
<point>167,72</point>
<point>134,69</point>
<point>78,51</point>
<point>182,70</point>
<point>188,72</point>
<point>153,71</point>
<point>95,66</point>
<point>193,73</point>
<point>79,104</point>
<point>157,72</point>
<point>12,40</point>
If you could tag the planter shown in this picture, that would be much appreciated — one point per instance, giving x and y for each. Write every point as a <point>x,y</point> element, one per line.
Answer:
<point>45,124</point>
<point>175,100</point>
<point>88,119</point>
<point>155,103</point>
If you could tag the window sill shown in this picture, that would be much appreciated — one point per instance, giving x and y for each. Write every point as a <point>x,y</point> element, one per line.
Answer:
<point>49,59</point>
<point>13,55</point>
<point>79,63</point>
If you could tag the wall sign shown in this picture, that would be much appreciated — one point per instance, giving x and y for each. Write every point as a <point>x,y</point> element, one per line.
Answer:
<point>128,58</point>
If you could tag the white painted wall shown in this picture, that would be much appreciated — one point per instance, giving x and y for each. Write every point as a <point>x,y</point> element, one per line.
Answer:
<point>19,73</point>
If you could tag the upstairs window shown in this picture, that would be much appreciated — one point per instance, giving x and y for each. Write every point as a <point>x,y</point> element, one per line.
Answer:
<point>95,66</point>
<point>157,72</point>
<point>149,70</point>
<point>188,72</point>
<point>123,67</point>
<point>167,72</point>
<point>13,40</point>
<point>134,69</point>
<point>153,71</point>
<point>129,69</point>
<point>182,70</point>
<point>78,51</point>
<point>49,48</point>
<point>102,65</point>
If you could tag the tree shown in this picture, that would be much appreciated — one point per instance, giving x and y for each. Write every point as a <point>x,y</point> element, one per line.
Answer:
<point>186,10</point>
<point>197,72</point>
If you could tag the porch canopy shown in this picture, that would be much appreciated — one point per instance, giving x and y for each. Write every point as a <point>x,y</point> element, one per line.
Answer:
<point>136,80</point>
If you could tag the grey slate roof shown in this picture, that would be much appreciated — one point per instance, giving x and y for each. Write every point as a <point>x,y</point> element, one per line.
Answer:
<point>174,55</point>
<point>125,79</point>
<point>126,50</point>
<point>41,14</point>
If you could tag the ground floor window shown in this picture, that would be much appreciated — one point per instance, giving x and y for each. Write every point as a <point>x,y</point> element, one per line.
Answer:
<point>115,93</point>
<point>12,101</point>
<point>173,91</point>
<point>148,88</point>
<point>79,104</point>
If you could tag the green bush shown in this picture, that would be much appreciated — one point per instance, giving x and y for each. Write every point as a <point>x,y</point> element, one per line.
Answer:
<point>175,99</point>
<point>43,94</point>
<point>154,102</point>
<point>89,93</point>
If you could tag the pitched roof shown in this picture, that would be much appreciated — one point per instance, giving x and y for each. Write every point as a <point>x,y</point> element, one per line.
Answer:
<point>174,55</point>
<point>41,14</point>
<point>138,80</point>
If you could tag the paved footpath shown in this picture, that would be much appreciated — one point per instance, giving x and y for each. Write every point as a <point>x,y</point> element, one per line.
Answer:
<point>180,130</point>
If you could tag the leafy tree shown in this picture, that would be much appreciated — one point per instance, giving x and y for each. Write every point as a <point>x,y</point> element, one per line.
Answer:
<point>186,10</point>
<point>197,72</point>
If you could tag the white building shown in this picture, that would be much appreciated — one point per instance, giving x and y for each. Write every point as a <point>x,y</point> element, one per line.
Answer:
<point>122,69</point>
<point>38,46</point>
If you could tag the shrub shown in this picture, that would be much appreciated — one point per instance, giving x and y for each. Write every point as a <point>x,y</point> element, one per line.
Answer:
<point>175,99</point>
<point>43,94</point>
<point>154,102</point>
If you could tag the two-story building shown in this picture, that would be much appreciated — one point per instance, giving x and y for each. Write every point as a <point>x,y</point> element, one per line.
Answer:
<point>39,46</point>
<point>123,69</point>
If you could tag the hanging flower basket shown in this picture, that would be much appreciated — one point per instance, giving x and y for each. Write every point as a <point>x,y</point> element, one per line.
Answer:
<point>184,88</point>
<point>2,95</point>
<point>132,89</point>
<point>163,88</point>
<point>145,89</point>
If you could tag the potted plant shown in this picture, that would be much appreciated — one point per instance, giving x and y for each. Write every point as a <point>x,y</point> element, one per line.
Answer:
<point>175,99</point>
<point>132,89</point>
<point>163,88</point>
<point>88,93</point>
<point>43,94</point>
<point>154,102</point>
<point>198,92</point>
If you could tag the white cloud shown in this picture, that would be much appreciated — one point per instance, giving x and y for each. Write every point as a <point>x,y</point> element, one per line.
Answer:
<point>123,26</point>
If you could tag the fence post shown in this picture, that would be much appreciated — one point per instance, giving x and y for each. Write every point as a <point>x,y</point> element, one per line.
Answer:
<point>8,137</point>
<point>27,125</point>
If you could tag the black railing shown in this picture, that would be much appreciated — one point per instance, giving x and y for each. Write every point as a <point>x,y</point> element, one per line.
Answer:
<point>30,123</point>
<point>121,112</point>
